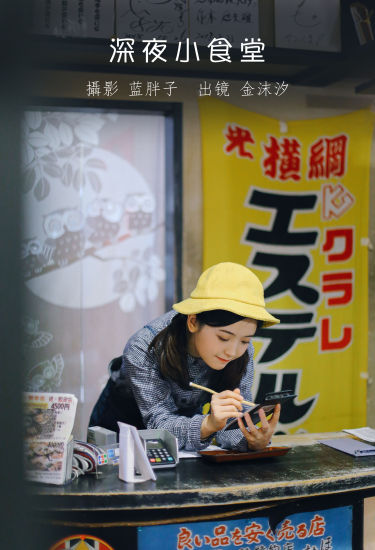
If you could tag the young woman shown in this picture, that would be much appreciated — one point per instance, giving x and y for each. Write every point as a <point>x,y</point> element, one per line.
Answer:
<point>205,339</point>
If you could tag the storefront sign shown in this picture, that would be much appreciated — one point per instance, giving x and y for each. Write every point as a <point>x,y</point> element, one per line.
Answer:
<point>290,201</point>
<point>321,530</point>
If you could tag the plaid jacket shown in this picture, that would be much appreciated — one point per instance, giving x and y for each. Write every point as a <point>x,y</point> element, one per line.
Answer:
<point>163,403</point>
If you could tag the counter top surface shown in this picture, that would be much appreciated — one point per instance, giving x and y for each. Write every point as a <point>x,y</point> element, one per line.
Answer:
<point>308,469</point>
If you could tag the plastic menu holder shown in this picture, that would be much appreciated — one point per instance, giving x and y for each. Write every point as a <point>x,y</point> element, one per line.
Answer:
<point>133,457</point>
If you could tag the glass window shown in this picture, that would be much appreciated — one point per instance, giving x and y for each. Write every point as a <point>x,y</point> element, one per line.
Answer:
<point>95,249</point>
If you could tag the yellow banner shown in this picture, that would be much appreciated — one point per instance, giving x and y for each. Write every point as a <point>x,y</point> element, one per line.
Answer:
<point>290,201</point>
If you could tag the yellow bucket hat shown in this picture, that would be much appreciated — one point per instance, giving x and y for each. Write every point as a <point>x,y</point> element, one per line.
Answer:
<point>229,286</point>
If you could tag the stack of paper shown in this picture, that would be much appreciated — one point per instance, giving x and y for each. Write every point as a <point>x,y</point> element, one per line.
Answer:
<point>367,434</point>
<point>49,419</point>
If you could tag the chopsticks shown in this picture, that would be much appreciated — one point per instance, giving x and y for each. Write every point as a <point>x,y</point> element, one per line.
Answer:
<point>214,392</point>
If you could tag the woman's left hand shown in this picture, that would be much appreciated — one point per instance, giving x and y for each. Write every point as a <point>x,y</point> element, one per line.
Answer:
<point>259,438</point>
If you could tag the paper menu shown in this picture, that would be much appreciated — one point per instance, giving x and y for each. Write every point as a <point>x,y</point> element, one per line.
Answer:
<point>49,415</point>
<point>367,434</point>
<point>182,453</point>
<point>49,419</point>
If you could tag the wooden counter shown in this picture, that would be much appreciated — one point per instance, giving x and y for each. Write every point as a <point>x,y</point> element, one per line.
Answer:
<point>310,474</point>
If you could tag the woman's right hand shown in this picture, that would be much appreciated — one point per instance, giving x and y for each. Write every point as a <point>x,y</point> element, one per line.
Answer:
<point>224,405</point>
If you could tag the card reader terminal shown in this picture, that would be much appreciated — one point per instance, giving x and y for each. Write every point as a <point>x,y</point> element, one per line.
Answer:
<point>161,448</point>
<point>157,453</point>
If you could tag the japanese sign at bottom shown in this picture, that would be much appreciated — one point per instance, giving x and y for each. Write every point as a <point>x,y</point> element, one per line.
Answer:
<point>329,529</point>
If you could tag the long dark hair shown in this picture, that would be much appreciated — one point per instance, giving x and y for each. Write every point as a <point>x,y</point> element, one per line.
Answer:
<point>171,349</point>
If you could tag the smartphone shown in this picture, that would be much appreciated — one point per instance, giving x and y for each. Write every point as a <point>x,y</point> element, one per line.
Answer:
<point>268,405</point>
